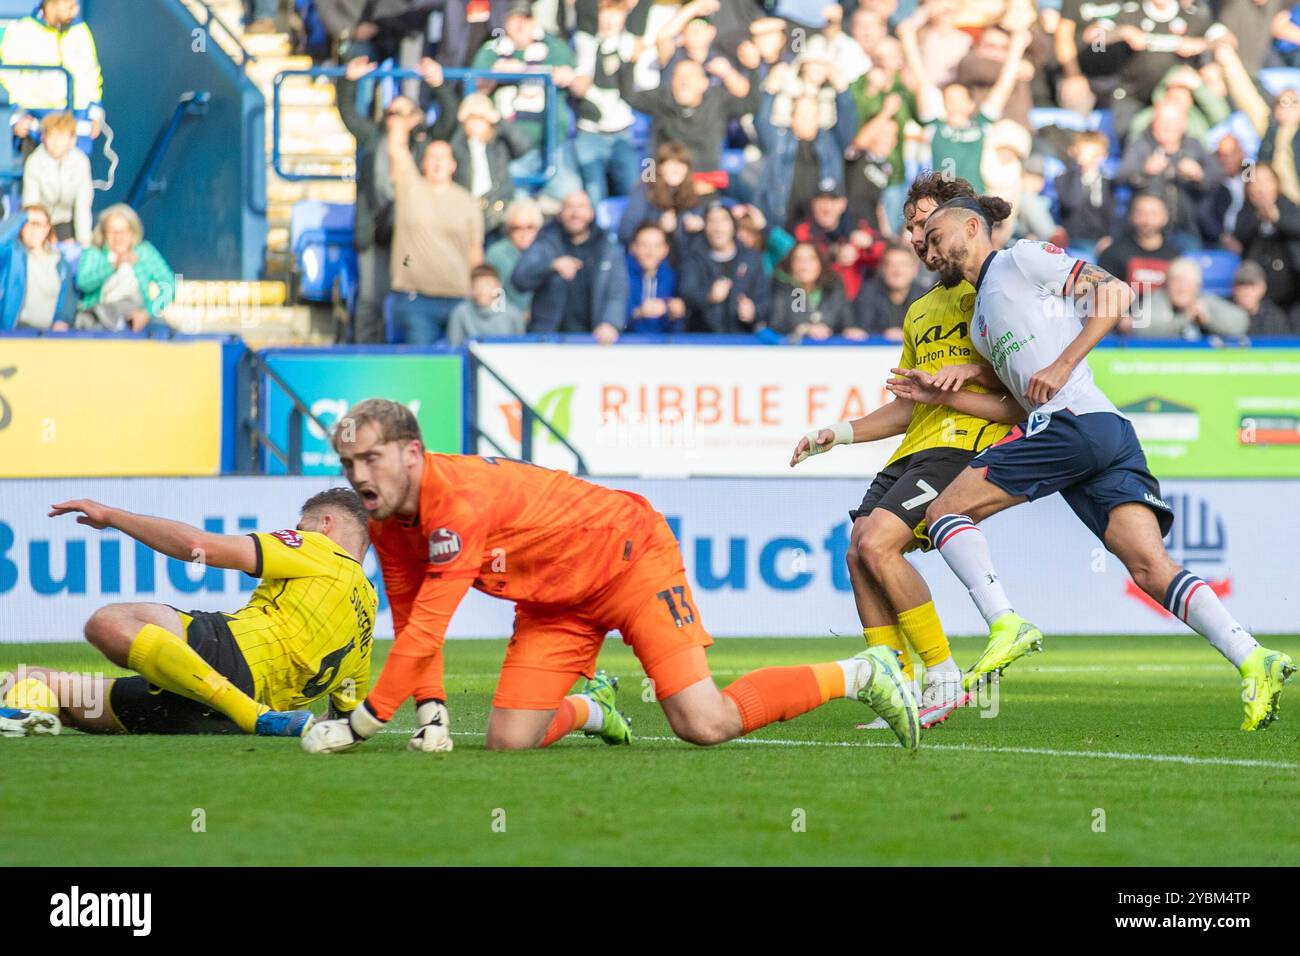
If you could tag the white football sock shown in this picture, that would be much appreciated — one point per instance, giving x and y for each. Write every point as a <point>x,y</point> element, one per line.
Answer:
<point>595,713</point>
<point>966,550</point>
<point>1194,602</point>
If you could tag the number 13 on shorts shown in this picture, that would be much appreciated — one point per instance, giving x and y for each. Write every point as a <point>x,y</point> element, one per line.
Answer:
<point>678,607</point>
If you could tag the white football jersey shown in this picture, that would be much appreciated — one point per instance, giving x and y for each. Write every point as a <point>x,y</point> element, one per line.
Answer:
<point>1025,318</point>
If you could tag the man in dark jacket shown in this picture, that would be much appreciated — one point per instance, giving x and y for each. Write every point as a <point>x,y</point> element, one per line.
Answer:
<point>372,232</point>
<point>722,282</point>
<point>577,274</point>
<point>1268,229</point>
<point>1166,161</point>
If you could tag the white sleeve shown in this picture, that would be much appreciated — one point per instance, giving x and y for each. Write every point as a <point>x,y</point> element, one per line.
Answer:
<point>1046,266</point>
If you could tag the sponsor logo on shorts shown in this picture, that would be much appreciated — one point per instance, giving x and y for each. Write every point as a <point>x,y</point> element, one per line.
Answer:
<point>444,546</point>
<point>1158,502</point>
<point>291,538</point>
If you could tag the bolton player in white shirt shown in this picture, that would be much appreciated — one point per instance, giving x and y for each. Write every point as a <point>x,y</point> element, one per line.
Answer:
<point>1038,312</point>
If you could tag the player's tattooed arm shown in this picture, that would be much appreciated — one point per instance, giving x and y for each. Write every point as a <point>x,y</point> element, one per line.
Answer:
<point>1096,291</point>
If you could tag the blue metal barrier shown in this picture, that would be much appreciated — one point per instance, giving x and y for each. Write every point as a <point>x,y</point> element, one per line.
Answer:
<point>191,103</point>
<point>14,170</point>
<point>465,75</point>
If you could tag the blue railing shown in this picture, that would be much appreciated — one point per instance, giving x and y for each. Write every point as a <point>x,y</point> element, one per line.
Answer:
<point>11,165</point>
<point>450,75</point>
<point>191,103</point>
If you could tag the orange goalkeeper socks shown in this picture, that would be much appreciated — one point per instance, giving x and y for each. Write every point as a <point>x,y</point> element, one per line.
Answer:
<point>781,693</point>
<point>576,712</point>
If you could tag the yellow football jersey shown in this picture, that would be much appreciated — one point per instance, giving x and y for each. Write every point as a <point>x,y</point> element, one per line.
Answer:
<point>936,332</point>
<point>308,629</point>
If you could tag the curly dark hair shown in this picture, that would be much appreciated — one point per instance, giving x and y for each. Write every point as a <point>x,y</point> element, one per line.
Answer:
<point>938,186</point>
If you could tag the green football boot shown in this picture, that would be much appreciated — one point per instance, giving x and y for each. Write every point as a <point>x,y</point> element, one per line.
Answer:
<point>1262,675</point>
<point>889,694</point>
<point>1010,638</point>
<point>617,726</point>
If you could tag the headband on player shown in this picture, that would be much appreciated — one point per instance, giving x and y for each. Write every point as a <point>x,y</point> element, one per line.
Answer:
<point>968,204</point>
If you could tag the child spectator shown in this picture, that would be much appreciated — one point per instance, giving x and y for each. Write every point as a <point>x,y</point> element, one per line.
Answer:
<point>487,312</point>
<point>57,177</point>
<point>1086,196</point>
<point>652,302</point>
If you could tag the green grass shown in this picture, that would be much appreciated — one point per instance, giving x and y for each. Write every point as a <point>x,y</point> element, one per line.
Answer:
<point>971,796</point>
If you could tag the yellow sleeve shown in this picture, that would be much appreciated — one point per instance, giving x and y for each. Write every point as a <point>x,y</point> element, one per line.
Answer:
<point>293,554</point>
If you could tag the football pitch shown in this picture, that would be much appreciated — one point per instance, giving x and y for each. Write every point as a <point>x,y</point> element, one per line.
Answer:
<point>1111,751</point>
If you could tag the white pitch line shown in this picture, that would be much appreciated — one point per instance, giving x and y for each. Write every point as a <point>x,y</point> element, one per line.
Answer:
<point>971,748</point>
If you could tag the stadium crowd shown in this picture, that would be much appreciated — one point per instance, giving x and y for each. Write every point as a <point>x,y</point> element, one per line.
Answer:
<point>733,166</point>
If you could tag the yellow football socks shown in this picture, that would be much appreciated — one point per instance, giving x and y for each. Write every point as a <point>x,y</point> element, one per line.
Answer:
<point>923,631</point>
<point>166,660</point>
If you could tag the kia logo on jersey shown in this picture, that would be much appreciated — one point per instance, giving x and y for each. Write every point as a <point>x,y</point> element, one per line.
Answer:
<point>444,546</point>
<point>291,538</point>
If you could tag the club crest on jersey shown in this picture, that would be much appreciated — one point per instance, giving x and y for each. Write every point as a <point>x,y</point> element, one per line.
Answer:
<point>1053,249</point>
<point>444,546</point>
<point>291,538</point>
<point>982,326</point>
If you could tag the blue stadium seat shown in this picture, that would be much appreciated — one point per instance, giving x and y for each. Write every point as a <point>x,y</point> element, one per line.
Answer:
<point>1277,79</point>
<point>1218,266</point>
<point>16,9</point>
<point>640,130</point>
<point>320,236</point>
<point>610,212</point>
<point>733,161</point>
<point>1239,125</point>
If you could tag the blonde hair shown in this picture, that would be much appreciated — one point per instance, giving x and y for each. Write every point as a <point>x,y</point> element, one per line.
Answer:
<point>58,123</point>
<point>127,213</point>
<point>394,420</point>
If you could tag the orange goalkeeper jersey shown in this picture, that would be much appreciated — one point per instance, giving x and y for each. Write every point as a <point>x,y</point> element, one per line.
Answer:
<point>513,530</point>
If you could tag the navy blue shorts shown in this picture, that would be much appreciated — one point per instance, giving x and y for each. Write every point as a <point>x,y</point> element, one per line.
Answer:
<point>1093,460</point>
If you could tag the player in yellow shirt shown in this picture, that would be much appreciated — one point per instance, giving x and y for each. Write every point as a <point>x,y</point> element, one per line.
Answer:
<point>305,633</point>
<point>939,441</point>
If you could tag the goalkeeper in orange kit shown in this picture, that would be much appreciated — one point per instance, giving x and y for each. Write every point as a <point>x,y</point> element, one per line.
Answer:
<point>578,560</point>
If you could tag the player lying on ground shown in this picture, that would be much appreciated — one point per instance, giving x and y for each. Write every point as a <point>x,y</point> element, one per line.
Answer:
<point>1029,304</point>
<point>579,560</point>
<point>305,633</point>
<point>939,440</point>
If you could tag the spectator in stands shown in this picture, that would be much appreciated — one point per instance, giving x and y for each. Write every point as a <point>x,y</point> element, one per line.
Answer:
<point>722,281</point>
<point>523,47</point>
<point>956,127</point>
<point>1086,196</point>
<point>652,304</point>
<point>1220,206</point>
<point>36,289</point>
<point>1141,256</point>
<point>487,312</point>
<point>1033,213</point>
<point>484,147</point>
<point>885,298</point>
<point>689,36</point>
<point>1165,160</point>
<point>808,300</point>
<point>372,231</point>
<point>1089,66</point>
<point>1160,34</point>
<point>766,46</point>
<point>524,221</point>
<point>752,233</point>
<point>57,177</point>
<point>577,274</point>
<point>1268,229</point>
<point>437,237</point>
<point>379,29</point>
<point>980,69</point>
<point>801,156</point>
<point>124,281</point>
<point>1249,23</point>
<point>1285,28</point>
<point>670,195</point>
<point>941,42</point>
<point>851,245</point>
<point>690,110</point>
<point>875,174</point>
<point>1277,125</point>
<point>852,59</point>
<point>1250,294</point>
<point>54,35</point>
<point>1181,309</point>
<point>606,154</point>
<point>1192,96</point>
